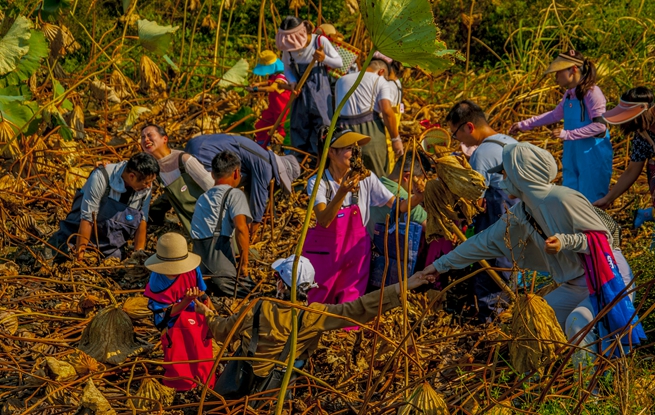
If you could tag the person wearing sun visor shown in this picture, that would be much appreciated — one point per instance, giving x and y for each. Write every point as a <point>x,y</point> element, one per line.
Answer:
<point>587,155</point>
<point>635,115</point>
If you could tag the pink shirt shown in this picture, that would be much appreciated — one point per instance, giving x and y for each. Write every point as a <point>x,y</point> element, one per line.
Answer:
<point>594,103</point>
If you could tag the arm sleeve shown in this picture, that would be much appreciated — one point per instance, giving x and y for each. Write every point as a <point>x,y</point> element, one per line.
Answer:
<point>548,118</point>
<point>576,242</point>
<point>484,245</point>
<point>198,172</point>
<point>332,57</point>
<point>379,195</point>
<point>238,205</point>
<point>419,215</point>
<point>200,283</point>
<point>362,310</point>
<point>160,312</point>
<point>321,195</point>
<point>220,327</point>
<point>94,189</point>
<point>595,103</point>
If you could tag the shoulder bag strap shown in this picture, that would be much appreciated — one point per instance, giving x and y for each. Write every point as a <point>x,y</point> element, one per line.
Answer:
<point>104,173</point>
<point>534,224</point>
<point>287,347</point>
<point>181,163</point>
<point>328,188</point>
<point>221,214</point>
<point>252,347</point>
<point>492,141</point>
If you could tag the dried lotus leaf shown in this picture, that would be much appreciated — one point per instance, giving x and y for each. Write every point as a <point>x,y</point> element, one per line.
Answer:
<point>460,178</point>
<point>137,308</point>
<point>8,140</point>
<point>83,363</point>
<point>297,4</point>
<point>61,40</point>
<point>151,77</point>
<point>95,401</point>
<point>209,23</point>
<point>503,408</point>
<point>121,84</point>
<point>11,406</point>
<point>75,120</point>
<point>103,92</point>
<point>425,400</point>
<point>109,338</point>
<point>59,370</point>
<point>76,177</point>
<point>56,395</point>
<point>155,392</point>
<point>8,321</point>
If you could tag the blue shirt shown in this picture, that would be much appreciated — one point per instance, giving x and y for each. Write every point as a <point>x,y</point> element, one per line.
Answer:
<point>489,155</point>
<point>159,283</point>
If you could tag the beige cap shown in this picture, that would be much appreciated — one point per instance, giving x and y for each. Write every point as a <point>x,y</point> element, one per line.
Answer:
<point>173,256</point>
<point>346,137</point>
<point>564,61</point>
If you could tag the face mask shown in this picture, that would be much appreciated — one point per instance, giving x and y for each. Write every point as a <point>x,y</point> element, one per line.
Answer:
<point>507,186</point>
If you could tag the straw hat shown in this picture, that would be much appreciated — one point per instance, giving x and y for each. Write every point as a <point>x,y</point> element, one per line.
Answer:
<point>268,64</point>
<point>625,111</point>
<point>564,61</point>
<point>344,137</point>
<point>306,270</point>
<point>173,256</point>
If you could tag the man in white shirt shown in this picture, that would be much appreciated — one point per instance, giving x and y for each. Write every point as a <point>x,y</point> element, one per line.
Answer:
<point>361,114</point>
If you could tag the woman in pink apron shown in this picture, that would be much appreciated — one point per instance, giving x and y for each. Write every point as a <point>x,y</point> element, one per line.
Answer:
<point>339,245</point>
<point>174,284</point>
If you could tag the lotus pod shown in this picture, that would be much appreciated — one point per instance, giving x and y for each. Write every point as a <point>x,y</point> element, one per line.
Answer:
<point>353,6</point>
<point>538,334</point>
<point>209,23</point>
<point>155,392</point>
<point>151,78</point>
<point>83,363</point>
<point>121,84</point>
<point>8,322</point>
<point>137,307</point>
<point>103,92</point>
<point>194,4</point>
<point>95,401</point>
<point>59,370</point>
<point>460,178</point>
<point>109,338</point>
<point>61,40</point>
<point>297,4</point>
<point>426,401</point>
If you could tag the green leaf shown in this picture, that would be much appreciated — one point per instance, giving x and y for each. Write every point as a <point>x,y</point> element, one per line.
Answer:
<point>19,112</point>
<point>17,90</point>
<point>51,7</point>
<point>155,38</point>
<point>126,6</point>
<point>170,62</point>
<point>236,75</point>
<point>405,31</point>
<point>15,44</point>
<point>59,90</point>
<point>32,60</point>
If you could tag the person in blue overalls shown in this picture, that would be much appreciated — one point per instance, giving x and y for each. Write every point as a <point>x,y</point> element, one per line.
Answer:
<point>313,107</point>
<point>587,156</point>
<point>110,209</point>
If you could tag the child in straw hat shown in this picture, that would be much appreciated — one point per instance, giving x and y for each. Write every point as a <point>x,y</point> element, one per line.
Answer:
<point>278,90</point>
<point>175,283</point>
<point>587,156</point>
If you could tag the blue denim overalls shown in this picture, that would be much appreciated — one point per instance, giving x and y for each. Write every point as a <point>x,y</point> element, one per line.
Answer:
<point>587,162</point>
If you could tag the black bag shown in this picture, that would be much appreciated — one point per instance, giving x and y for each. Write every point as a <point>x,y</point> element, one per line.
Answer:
<point>238,379</point>
<point>218,261</point>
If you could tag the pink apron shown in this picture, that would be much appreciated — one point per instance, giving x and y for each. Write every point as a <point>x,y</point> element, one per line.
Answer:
<point>187,339</point>
<point>341,256</point>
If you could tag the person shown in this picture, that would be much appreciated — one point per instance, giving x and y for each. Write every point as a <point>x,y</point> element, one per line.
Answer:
<point>587,156</point>
<point>360,113</point>
<point>468,125</point>
<point>279,92</point>
<point>313,107</point>
<point>396,91</point>
<point>275,319</point>
<point>339,245</point>
<point>258,168</point>
<point>635,115</point>
<point>110,209</point>
<point>181,175</point>
<point>222,210</point>
<point>552,229</point>
<point>174,287</point>
<point>398,183</point>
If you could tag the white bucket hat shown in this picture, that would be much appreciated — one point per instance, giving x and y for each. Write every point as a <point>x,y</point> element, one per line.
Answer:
<point>306,270</point>
<point>289,170</point>
<point>173,256</point>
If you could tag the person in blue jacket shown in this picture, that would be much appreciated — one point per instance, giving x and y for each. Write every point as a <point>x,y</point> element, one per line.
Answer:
<point>258,168</point>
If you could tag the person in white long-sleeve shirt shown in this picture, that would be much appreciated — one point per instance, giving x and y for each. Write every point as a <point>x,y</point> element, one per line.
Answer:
<point>313,107</point>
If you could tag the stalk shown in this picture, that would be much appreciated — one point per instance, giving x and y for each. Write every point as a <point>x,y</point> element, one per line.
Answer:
<point>259,27</point>
<point>227,34</point>
<point>218,34</point>
<point>303,234</point>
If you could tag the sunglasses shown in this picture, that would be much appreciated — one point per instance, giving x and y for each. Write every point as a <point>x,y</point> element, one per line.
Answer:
<point>454,135</point>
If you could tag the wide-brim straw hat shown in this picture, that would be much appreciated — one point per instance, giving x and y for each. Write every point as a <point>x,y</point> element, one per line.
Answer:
<point>347,137</point>
<point>563,61</point>
<point>268,64</point>
<point>289,170</point>
<point>173,256</point>
<point>625,111</point>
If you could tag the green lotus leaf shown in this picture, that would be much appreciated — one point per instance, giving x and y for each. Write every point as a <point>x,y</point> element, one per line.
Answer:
<point>29,63</point>
<point>15,44</point>
<point>405,31</point>
<point>236,75</point>
<point>155,38</point>
<point>19,112</point>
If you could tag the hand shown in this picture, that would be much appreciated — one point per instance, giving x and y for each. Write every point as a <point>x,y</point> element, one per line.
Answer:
<point>319,55</point>
<point>556,132</point>
<point>553,245</point>
<point>602,203</point>
<point>192,294</point>
<point>419,184</point>
<point>102,163</point>
<point>138,257</point>
<point>420,278</point>
<point>202,309</point>
<point>514,129</point>
<point>398,148</point>
<point>349,182</point>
